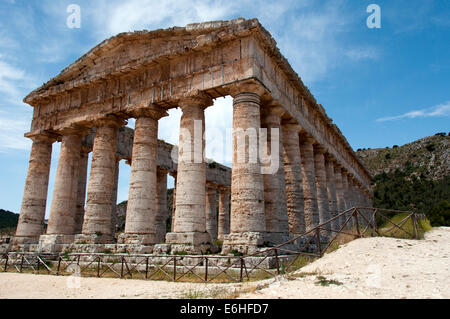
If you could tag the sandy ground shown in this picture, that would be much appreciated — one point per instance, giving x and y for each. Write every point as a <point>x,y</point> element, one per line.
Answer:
<point>363,268</point>
<point>374,268</point>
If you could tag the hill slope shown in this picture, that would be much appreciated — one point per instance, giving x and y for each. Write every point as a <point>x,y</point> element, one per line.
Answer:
<point>427,157</point>
<point>415,176</point>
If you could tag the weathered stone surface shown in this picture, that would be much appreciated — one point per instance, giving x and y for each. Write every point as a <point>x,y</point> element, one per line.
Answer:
<point>247,186</point>
<point>161,200</point>
<point>63,211</point>
<point>293,178</point>
<point>191,174</point>
<point>339,193</point>
<point>321,186</point>
<point>211,212</point>
<point>224,212</point>
<point>32,212</point>
<point>142,208</point>
<point>81,190</point>
<point>332,196</point>
<point>309,183</point>
<point>275,205</point>
<point>97,218</point>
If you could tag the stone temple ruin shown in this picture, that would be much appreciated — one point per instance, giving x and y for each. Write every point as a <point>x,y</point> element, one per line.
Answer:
<point>143,74</point>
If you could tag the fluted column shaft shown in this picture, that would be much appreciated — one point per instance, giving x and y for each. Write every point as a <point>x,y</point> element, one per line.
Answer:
<point>332,196</point>
<point>81,191</point>
<point>339,193</point>
<point>190,222</point>
<point>293,178</point>
<point>140,224</point>
<point>224,213</point>
<point>309,183</point>
<point>97,218</point>
<point>211,212</point>
<point>64,202</point>
<point>114,198</point>
<point>174,198</point>
<point>277,223</point>
<point>32,211</point>
<point>321,185</point>
<point>247,186</point>
<point>161,199</point>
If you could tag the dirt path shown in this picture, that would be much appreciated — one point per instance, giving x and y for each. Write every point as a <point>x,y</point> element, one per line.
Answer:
<point>374,268</point>
<point>364,268</point>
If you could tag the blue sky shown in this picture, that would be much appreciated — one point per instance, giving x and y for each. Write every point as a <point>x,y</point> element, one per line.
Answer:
<point>381,86</point>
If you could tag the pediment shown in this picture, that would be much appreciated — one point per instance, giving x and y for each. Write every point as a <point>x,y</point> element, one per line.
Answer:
<point>130,50</point>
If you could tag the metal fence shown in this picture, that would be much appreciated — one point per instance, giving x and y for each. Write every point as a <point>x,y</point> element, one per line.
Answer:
<point>267,262</point>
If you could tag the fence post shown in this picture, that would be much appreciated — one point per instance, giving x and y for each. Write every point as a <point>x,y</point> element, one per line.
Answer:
<point>319,247</point>
<point>121,267</point>
<point>6,263</point>
<point>206,269</point>
<point>38,263</point>
<point>355,215</point>
<point>413,219</point>
<point>21,264</point>
<point>146,268</point>
<point>174,268</point>
<point>98,267</point>
<point>242,270</point>
<point>277,262</point>
<point>59,265</point>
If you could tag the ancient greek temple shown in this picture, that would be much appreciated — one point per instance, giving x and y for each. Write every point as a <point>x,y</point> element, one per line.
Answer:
<point>142,75</point>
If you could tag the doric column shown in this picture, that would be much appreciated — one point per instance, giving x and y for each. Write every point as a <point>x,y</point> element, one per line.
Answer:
<point>277,223</point>
<point>190,224</point>
<point>32,211</point>
<point>63,212</point>
<point>224,212</point>
<point>97,218</point>
<point>174,197</point>
<point>331,189</point>
<point>140,223</point>
<point>161,199</point>
<point>321,185</point>
<point>339,192</point>
<point>114,198</point>
<point>349,195</point>
<point>247,224</point>
<point>309,183</point>
<point>347,202</point>
<point>293,178</point>
<point>211,212</point>
<point>81,190</point>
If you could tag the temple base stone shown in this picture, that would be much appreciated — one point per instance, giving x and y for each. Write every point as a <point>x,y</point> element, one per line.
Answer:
<point>16,240</point>
<point>93,239</point>
<point>54,243</point>
<point>137,239</point>
<point>273,239</point>
<point>244,243</point>
<point>189,242</point>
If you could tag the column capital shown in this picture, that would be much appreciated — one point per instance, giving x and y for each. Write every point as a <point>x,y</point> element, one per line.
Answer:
<point>110,121</point>
<point>305,138</point>
<point>45,137</point>
<point>253,87</point>
<point>330,158</point>
<point>199,98</point>
<point>151,111</point>
<point>273,109</point>
<point>319,149</point>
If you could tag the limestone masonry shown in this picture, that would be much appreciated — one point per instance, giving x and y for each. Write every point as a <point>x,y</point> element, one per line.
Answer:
<point>142,75</point>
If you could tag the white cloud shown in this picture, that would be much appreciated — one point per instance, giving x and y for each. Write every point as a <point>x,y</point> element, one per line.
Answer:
<point>441,110</point>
